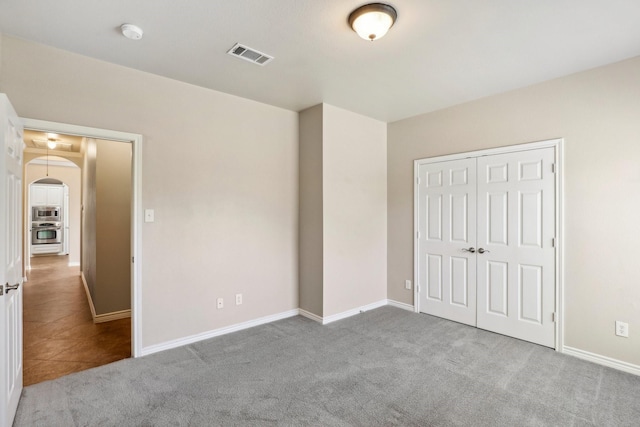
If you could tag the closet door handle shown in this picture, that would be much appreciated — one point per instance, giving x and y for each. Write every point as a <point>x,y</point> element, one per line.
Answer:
<point>471,249</point>
<point>481,251</point>
<point>12,288</point>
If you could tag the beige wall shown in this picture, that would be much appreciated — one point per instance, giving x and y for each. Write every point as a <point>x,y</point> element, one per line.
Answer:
<point>354,210</point>
<point>72,177</point>
<point>89,215</point>
<point>343,219</point>
<point>310,211</point>
<point>598,114</point>
<point>220,171</point>
<point>113,226</point>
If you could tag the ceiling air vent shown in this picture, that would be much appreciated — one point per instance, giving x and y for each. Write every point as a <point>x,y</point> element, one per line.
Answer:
<point>249,54</point>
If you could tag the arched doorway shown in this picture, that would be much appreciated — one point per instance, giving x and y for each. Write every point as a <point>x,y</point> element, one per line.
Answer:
<point>52,186</point>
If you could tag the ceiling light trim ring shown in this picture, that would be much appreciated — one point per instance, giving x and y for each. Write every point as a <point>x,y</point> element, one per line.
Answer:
<point>372,8</point>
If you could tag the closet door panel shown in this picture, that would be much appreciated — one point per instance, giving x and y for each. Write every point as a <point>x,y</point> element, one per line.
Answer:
<point>446,227</point>
<point>516,227</point>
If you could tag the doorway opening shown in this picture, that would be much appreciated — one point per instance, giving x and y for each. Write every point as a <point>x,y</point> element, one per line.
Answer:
<point>74,256</point>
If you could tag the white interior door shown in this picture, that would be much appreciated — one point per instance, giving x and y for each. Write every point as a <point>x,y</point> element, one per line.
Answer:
<point>10,262</point>
<point>516,228</point>
<point>485,253</point>
<point>446,239</point>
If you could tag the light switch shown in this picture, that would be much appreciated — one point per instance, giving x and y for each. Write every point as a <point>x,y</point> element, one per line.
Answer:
<point>148,215</point>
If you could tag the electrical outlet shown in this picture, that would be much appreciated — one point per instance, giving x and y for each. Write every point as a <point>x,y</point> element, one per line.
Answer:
<point>238,299</point>
<point>622,329</point>
<point>407,284</point>
<point>220,303</point>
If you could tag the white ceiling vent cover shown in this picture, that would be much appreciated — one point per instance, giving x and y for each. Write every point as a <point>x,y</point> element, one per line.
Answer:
<point>249,54</point>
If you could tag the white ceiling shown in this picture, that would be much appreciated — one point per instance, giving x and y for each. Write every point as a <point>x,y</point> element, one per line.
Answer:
<point>439,53</point>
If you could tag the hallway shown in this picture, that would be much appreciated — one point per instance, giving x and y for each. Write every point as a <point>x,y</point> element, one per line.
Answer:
<point>59,334</point>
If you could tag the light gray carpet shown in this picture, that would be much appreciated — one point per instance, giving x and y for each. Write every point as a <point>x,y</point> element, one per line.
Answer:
<point>380,368</point>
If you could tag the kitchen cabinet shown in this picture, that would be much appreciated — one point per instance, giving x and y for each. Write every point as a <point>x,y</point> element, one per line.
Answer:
<point>46,195</point>
<point>38,195</point>
<point>51,248</point>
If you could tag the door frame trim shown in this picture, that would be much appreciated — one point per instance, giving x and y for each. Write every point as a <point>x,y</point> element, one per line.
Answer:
<point>558,145</point>
<point>136,208</point>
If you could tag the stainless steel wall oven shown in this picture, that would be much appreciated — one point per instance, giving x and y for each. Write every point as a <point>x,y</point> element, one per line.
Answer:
<point>44,233</point>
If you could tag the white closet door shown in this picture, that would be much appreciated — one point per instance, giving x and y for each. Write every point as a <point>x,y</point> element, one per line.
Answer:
<point>446,240</point>
<point>516,227</point>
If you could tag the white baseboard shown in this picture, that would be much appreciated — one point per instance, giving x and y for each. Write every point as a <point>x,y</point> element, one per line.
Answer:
<point>261,321</point>
<point>86,289</point>
<point>581,354</point>
<point>74,264</point>
<point>106,317</point>
<point>602,360</point>
<point>344,314</point>
<point>217,332</point>
<point>401,305</point>
<point>309,315</point>
<point>353,312</point>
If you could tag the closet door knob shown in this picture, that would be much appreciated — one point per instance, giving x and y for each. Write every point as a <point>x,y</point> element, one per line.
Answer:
<point>481,251</point>
<point>471,249</point>
<point>12,288</point>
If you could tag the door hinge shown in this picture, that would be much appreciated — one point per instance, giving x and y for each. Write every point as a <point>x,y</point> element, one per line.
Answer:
<point>132,260</point>
<point>418,180</point>
<point>553,242</point>
<point>417,234</point>
<point>553,317</point>
<point>1,290</point>
<point>553,168</point>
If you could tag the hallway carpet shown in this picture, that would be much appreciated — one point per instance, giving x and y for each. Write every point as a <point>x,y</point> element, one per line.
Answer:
<point>380,368</point>
<point>59,334</point>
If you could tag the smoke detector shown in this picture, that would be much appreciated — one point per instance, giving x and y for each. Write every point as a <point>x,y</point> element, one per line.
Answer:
<point>131,31</point>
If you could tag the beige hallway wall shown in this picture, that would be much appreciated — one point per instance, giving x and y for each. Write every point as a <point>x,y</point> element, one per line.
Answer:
<point>597,112</point>
<point>113,226</point>
<point>220,171</point>
<point>89,267</point>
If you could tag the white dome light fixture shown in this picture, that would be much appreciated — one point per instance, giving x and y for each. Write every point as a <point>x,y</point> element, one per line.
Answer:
<point>372,21</point>
<point>131,31</point>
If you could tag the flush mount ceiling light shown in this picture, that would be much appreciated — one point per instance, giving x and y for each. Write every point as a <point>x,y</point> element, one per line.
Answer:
<point>372,21</point>
<point>131,31</point>
<point>52,142</point>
